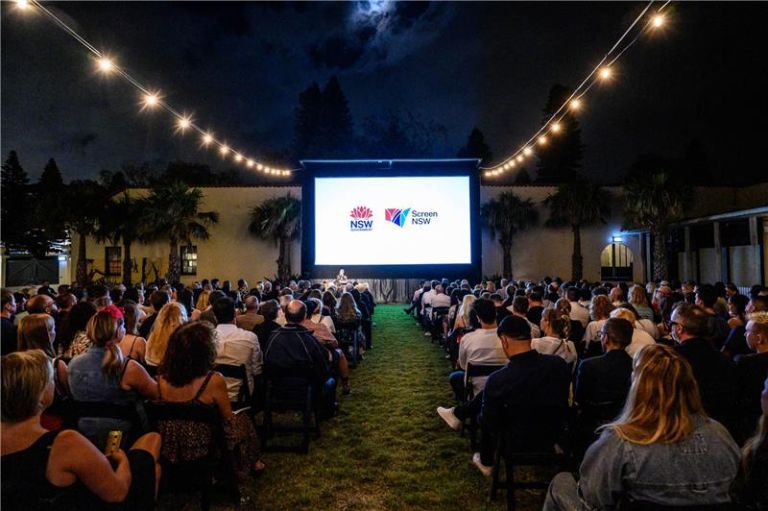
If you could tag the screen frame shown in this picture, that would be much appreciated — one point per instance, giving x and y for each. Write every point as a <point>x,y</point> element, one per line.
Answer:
<point>393,169</point>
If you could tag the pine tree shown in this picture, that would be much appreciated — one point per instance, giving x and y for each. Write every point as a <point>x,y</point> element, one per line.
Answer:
<point>48,229</point>
<point>335,129</point>
<point>476,148</point>
<point>562,159</point>
<point>14,185</point>
<point>306,128</point>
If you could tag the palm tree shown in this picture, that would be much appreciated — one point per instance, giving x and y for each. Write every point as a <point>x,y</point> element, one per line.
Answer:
<point>278,219</point>
<point>172,213</point>
<point>122,220</point>
<point>82,208</point>
<point>577,203</point>
<point>653,202</point>
<point>504,216</point>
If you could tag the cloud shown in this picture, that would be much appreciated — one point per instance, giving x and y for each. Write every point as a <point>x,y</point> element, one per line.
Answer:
<point>380,33</point>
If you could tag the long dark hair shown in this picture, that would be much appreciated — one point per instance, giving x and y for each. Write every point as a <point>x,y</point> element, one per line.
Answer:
<point>190,354</point>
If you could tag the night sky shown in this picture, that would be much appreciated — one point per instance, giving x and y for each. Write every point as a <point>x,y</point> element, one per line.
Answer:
<point>240,67</point>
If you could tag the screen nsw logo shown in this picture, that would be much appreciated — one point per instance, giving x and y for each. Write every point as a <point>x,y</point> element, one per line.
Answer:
<point>399,217</point>
<point>362,219</point>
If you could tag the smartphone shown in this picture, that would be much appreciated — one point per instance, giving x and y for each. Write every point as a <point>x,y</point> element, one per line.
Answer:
<point>114,439</point>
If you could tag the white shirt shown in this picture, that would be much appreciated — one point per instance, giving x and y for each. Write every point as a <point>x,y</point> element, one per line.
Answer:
<point>553,346</point>
<point>481,347</point>
<point>579,313</point>
<point>441,300</point>
<point>592,333</point>
<point>649,327</point>
<point>235,346</point>
<point>426,301</point>
<point>640,339</point>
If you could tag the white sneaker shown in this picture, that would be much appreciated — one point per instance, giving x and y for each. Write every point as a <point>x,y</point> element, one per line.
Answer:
<point>487,471</point>
<point>426,334</point>
<point>448,416</point>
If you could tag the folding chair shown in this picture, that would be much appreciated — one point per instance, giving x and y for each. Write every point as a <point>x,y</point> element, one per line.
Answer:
<point>292,392</point>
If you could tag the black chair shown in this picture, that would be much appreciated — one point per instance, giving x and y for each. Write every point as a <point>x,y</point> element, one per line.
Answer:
<point>349,336</point>
<point>533,437</point>
<point>436,322</point>
<point>244,397</point>
<point>291,392</point>
<point>474,371</point>
<point>199,474</point>
<point>134,413</point>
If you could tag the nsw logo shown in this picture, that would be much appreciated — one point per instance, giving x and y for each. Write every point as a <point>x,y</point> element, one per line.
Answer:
<point>362,219</point>
<point>396,216</point>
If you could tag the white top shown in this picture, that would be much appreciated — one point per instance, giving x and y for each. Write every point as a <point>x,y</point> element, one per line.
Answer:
<point>441,300</point>
<point>592,333</point>
<point>236,346</point>
<point>481,347</point>
<point>579,313</point>
<point>553,346</point>
<point>426,300</point>
<point>640,339</point>
<point>649,327</point>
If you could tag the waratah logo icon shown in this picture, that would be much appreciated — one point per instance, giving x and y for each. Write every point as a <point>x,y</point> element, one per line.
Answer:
<point>396,216</point>
<point>361,213</point>
<point>362,219</point>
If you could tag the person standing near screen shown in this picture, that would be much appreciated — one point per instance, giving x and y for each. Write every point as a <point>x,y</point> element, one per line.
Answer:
<point>341,278</point>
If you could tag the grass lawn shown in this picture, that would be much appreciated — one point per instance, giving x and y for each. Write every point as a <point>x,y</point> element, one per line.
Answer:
<point>387,449</point>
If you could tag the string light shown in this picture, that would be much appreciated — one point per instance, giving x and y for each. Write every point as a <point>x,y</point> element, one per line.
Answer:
<point>602,71</point>
<point>149,100</point>
<point>106,65</point>
<point>183,124</point>
<point>575,104</point>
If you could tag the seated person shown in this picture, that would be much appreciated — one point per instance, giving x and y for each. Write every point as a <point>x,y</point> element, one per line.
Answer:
<point>63,468</point>
<point>662,448</point>
<point>555,325</point>
<point>339,365</point>
<point>602,383</point>
<point>479,347</point>
<point>269,309</point>
<point>640,338</point>
<point>751,371</point>
<point>235,346</point>
<point>530,380</point>
<point>519,308</point>
<point>293,349</point>
<point>251,318</point>
<point>103,374</point>
<point>187,376</point>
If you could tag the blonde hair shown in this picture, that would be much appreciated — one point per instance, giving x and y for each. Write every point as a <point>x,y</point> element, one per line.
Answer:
<point>760,320</point>
<point>601,307</point>
<point>35,332</point>
<point>637,296</point>
<point>26,374</point>
<point>662,401</point>
<point>202,300</point>
<point>170,317</point>
<point>102,328</point>
<point>623,313</point>
<point>466,307</point>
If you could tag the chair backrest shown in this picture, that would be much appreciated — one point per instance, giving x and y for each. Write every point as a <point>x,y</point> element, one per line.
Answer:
<point>289,390</point>
<point>238,373</point>
<point>193,412</point>
<point>438,312</point>
<point>106,410</point>
<point>534,428</point>
<point>482,370</point>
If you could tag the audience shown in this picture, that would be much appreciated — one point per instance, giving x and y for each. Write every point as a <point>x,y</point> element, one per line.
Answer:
<point>640,338</point>
<point>62,466</point>
<point>133,346</point>
<point>8,334</point>
<point>661,449</point>
<point>555,325</point>
<point>158,299</point>
<point>251,318</point>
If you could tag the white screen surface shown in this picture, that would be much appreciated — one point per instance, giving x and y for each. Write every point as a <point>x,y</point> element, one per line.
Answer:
<point>392,221</point>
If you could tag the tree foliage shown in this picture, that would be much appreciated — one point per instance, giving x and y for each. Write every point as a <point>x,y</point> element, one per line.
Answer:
<point>323,123</point>
<point>504,217</point>
<point>278,220</point>
<point>476,147</point>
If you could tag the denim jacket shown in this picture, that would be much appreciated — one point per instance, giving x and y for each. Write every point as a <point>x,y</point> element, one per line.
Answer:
<point>697,471</point>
